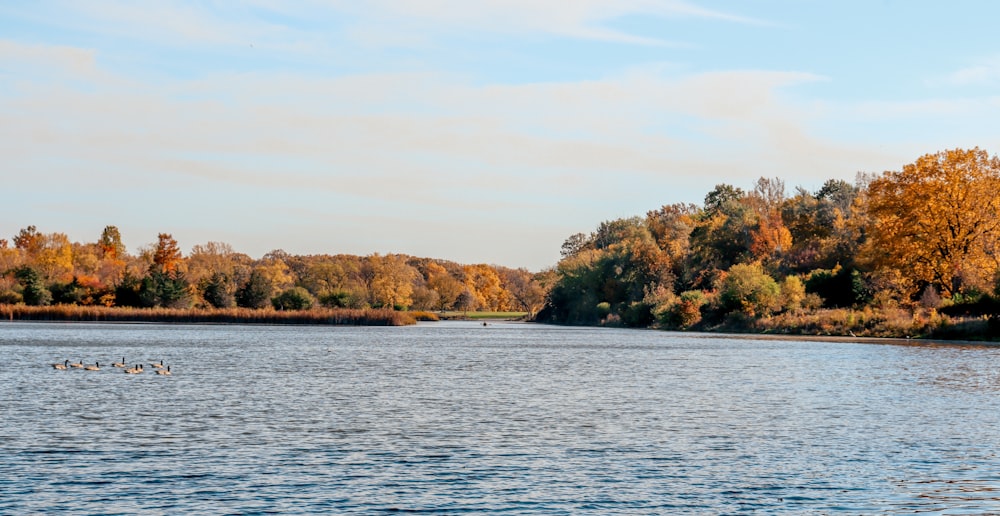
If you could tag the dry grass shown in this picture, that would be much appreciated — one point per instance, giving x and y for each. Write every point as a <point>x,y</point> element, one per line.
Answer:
<point>872,322</point>
<point>322,316</point>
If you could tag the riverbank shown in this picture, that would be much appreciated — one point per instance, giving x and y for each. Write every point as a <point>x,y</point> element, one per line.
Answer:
<point>325,316</point>
<point>867,323</point>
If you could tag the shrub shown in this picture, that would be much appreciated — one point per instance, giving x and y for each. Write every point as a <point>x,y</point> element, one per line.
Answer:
<point>686,311</point>
<point>747,289</point>
<point>295,298</point>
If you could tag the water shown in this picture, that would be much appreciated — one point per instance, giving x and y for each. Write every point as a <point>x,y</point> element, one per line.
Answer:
<point>455,417</point>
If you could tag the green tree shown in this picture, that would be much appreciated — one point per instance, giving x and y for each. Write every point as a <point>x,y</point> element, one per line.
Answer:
<point>256,292</point>
<point>34,292</point>
<point>295,298</point>
<point>217,291</point>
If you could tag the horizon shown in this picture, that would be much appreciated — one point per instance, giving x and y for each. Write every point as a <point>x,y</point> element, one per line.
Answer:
<point>474,133</point>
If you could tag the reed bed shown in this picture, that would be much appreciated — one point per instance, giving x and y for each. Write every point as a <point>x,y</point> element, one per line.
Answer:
<point>320,316</point>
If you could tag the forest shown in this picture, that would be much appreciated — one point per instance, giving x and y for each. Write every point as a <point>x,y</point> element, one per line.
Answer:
<point>46,268</point>
<point>903,253</point>
<point>913,252</point>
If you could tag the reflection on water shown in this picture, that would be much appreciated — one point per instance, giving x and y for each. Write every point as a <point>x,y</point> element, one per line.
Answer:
<point>456,417</point>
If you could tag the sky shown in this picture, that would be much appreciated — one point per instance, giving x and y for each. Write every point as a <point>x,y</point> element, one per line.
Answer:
<point>483,131</point>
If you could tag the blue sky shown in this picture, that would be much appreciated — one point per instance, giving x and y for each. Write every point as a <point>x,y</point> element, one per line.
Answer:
<point>480,132</point>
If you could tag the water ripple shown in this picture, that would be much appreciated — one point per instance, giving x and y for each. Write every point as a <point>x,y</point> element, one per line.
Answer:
<point>452,418</point>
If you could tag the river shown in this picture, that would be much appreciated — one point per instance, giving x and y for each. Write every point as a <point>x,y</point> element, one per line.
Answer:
<point>457,417</point>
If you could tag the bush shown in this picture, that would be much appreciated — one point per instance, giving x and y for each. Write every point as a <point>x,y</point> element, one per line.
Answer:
<point>747,289</point>
<point>9,297</point>
<point>295,298</point>
<point>686,312</point>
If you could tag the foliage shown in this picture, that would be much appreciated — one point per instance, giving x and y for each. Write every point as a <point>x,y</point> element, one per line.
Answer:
<point>217,291</point>
<point>33,290</point>
<point>256,292</point>
<point>295,298</point>
<point>938,219</point>
<point>747,289</point>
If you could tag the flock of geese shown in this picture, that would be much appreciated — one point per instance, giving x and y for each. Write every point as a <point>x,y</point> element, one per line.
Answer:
<point>138,369</point>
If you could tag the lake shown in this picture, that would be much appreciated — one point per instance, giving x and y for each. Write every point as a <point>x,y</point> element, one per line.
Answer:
<point>456,417</point>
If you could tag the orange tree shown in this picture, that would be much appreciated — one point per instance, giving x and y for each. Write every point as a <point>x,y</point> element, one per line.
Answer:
<point>937,221</point>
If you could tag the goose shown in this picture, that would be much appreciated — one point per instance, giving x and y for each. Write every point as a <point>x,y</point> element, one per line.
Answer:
<point>61,366</point>
<point>95,367</point>
<point>119,364</point>
<point>134,370</point>
<point>78,365</point>
<point>158,366</point>
<point>164,372</point>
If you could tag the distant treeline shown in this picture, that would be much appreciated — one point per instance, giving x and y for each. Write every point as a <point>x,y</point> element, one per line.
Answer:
<point>923,239</point>
<point>323,316</point>
<point>42,269</point>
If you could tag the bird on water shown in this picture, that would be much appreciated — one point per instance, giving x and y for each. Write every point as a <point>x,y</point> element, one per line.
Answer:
<point>61,366</point>
<point>119,364</point>
<point>164,372</point>
<point>78,365</point>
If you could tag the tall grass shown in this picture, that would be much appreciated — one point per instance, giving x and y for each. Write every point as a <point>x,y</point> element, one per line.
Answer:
<point>321,316</point>
<point>873,322</point>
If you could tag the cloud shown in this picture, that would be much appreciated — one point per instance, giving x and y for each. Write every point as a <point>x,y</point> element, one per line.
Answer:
<point>392,22</point>
<point>79,62</point>
<point>985,72</point>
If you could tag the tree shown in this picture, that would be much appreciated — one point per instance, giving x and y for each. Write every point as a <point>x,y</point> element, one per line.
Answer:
<point>256,292</point>
<point>217,291</point>
<point>111,243</point>
<point>938,219</point>
<point>28,239</point>
<point>167,254</point>
<point>34,292</point>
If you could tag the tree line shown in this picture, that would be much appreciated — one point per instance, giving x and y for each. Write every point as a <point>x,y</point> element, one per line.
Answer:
<point>39,268</point>
<point>927,235</point>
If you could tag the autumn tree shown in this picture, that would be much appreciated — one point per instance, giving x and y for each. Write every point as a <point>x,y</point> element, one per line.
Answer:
<point>769,238</point>
<point>111,244</point>
<point>937,220</point>
<point>167,254</point>
<point>389,280</point>
<point>28,239</point>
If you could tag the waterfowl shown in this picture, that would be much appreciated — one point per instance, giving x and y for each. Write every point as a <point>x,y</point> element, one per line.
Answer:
<point>78,365</point>
<point>61,366</point>
<point>134,370</point>
<point>158,366</point>
<point>95,367</point>
<point>119,364</point>
<point>164,372</point>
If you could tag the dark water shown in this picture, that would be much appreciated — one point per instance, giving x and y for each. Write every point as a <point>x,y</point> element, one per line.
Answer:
<point>456,417</point>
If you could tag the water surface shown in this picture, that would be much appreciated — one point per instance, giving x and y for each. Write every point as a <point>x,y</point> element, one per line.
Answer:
<point>455,417</point>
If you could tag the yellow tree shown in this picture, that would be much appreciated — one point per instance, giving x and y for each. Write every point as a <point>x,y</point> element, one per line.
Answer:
<point>55,257</point>
<point>484,283</point>
<point>937,220</point>
<point>390,280</point>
